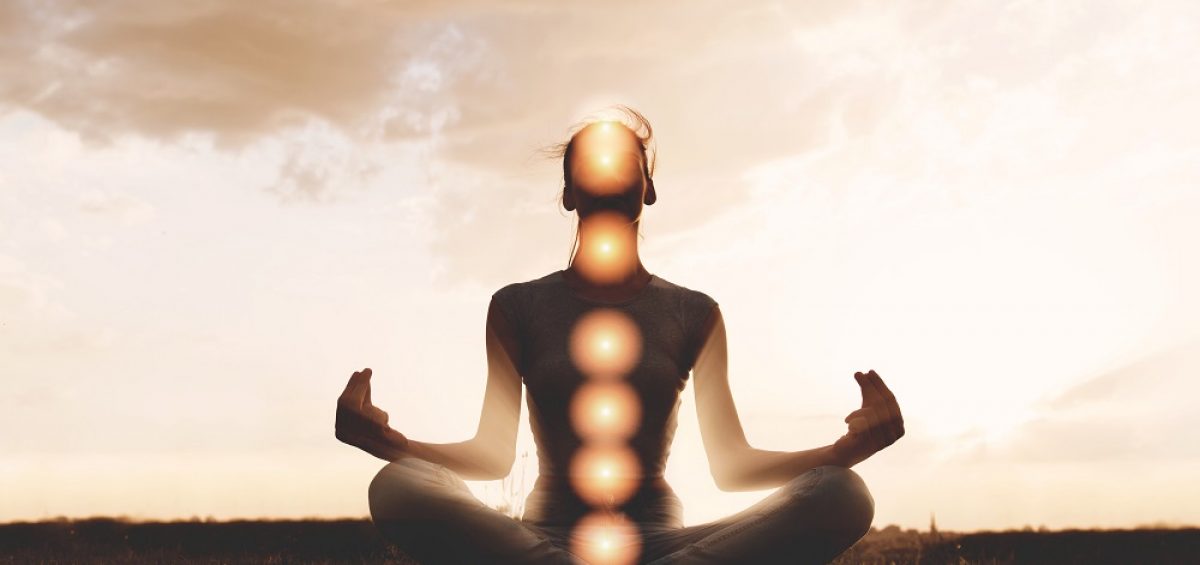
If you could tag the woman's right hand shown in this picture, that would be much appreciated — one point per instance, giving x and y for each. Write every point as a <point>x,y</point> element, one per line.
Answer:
<point>361,424</point>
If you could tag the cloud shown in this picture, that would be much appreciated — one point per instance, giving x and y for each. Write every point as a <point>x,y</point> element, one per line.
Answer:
<point>237,70</point>
<point>238,74</point>
<point>945,100</point>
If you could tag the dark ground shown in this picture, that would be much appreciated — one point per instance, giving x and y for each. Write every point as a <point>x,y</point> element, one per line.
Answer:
<point>356,541</point>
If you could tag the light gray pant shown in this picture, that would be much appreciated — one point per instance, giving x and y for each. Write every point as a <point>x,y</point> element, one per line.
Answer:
<point>428,511</point>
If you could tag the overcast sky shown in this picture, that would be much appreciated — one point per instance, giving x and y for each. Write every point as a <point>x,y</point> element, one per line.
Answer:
<point>211,215</point>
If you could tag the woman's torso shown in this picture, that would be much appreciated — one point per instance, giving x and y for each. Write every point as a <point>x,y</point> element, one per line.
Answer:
<point>669,319</point>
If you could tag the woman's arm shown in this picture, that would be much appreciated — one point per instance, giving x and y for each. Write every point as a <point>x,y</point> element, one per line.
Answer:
<point>487,456</point>
<point>490,454</point>
<point>736,466</point>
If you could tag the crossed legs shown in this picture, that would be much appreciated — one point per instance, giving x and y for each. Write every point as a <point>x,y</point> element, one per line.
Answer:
<point>430,513</point>
<point>811,519</point>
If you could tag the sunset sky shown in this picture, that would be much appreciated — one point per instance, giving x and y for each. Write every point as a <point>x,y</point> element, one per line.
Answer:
<point>212,214</point>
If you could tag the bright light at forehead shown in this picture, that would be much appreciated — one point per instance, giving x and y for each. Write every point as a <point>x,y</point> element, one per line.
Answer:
<point>611,160</point>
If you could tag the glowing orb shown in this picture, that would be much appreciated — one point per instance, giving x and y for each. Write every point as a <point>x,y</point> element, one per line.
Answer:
<point>607,255</point>
<point>605,411</point>
<point>606,538</point>
<point>605,475</point>
<point>605,343</point>
<point>609,160</point>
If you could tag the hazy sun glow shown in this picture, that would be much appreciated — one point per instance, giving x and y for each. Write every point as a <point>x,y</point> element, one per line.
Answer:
<point>993,204</point>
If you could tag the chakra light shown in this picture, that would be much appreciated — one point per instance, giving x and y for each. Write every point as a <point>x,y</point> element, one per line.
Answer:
<point>607,254</point>
<point>606,538</point>
<point>605,411</point>
<point>605,475</point>
<point>605,344</point>
<point>608,160</point>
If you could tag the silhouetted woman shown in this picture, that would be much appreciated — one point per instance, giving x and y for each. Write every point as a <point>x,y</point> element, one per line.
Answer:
<point>604,349</point>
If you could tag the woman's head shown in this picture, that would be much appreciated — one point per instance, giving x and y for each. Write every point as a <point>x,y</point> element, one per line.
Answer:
<point>608,165</point>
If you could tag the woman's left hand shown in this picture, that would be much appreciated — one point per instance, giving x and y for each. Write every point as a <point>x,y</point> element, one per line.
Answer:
<point>874,426</point>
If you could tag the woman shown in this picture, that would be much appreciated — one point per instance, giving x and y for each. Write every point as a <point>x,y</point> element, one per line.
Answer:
<point>420,502</point>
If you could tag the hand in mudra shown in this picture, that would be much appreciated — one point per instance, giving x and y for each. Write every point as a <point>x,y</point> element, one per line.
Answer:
<point>362,424</point>
<point>873,427</point>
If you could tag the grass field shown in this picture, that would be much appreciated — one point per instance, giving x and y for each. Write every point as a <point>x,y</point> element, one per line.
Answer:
<point>356,541</point>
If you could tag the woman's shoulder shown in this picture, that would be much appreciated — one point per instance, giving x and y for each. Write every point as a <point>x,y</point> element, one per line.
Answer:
<point>519,290</point>
<point>688,295</point>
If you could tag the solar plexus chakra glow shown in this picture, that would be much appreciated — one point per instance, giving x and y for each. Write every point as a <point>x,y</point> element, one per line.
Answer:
<point>605,411</point>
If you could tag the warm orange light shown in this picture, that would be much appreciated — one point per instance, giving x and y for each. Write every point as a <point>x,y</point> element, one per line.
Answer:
<point>605,411</point>
<point>606,537</point>
<point>607,255</point>
<point>609,160</point>
<point>605,475</point>
<point>605,344</point>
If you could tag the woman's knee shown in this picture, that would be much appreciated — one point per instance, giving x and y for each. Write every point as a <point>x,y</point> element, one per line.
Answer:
<point>849,499</point>
<point>401,488</point>
<point>837,495</point>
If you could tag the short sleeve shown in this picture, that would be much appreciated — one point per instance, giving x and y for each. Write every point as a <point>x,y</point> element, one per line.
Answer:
<point>507,299</point>
<point>699,309</point>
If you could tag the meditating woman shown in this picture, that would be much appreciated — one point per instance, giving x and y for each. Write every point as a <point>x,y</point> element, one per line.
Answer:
<point>604,349</point>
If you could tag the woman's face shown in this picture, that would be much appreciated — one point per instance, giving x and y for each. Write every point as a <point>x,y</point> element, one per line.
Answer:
<point>608,170</point>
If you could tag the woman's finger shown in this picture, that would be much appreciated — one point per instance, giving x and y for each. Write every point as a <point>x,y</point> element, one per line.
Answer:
<point>365,376</point>
<point>377,415</point>
<point>871,393</point>
<point>888,403</point>
<point>855,414</point>
<point>874,432</point>
<point>858,425</point>
<point>357,389</point>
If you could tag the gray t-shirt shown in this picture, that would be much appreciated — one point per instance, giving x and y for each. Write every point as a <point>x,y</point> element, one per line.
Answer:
<point>670,318</point>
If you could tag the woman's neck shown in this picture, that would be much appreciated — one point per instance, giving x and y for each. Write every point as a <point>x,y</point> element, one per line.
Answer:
<point>607,265</point>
